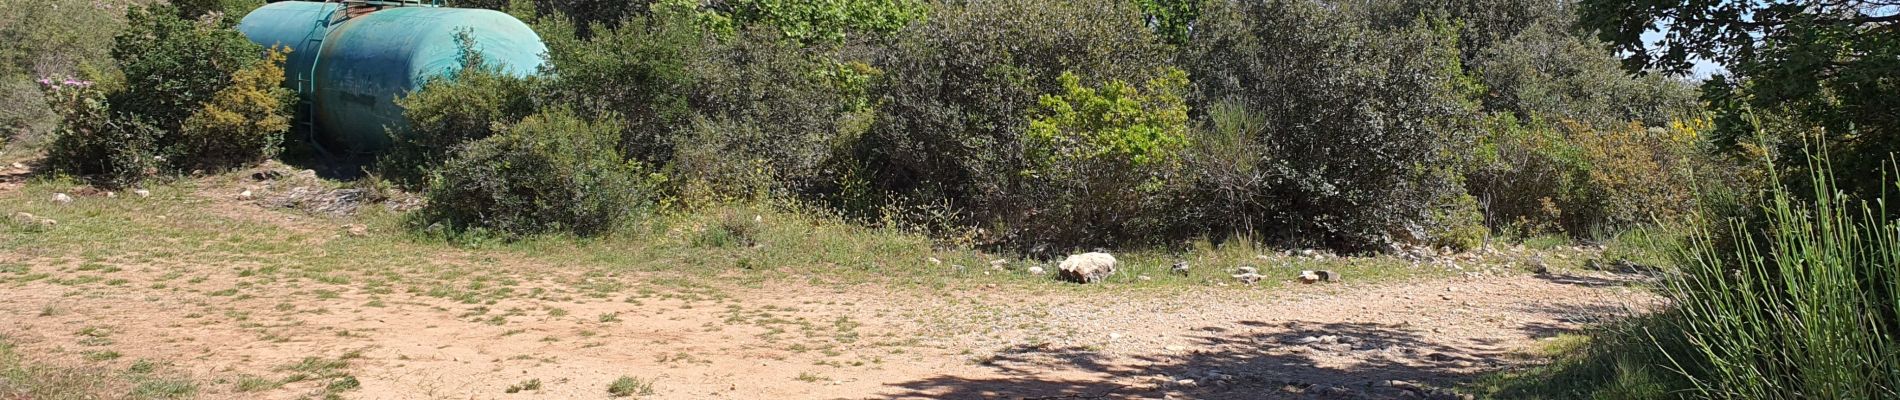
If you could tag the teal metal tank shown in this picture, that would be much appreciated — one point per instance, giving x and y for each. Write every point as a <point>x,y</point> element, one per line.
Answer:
<point>350,61</point>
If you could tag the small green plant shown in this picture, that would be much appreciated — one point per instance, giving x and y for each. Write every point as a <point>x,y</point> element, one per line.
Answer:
<point>103,355</point>
<point>527,385</point>
<point>810,377</point>
<point>346,383</point>
<point>629,386</point>
<point>253,383</point>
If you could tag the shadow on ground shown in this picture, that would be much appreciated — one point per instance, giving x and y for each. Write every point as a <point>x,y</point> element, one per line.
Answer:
<point>1292,360</point>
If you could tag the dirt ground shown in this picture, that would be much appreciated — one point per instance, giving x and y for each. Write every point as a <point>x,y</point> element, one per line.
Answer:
<point>801,342</point>
<point>786,339</point>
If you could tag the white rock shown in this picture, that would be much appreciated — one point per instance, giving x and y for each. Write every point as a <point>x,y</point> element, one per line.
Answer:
<point>245,195</point>
<point>1249,278</point>
<point>934,261</point>
<point>62,198</point>
<point>1087,267</point>
<point>142,193</point>
<point>1035,270</point>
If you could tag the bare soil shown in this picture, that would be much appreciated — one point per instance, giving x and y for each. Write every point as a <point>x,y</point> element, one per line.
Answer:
<point>791,341</point>
<point>787,339</point>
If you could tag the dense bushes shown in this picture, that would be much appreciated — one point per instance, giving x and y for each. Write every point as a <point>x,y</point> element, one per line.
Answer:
<point>113,148</point>
<point>1027,125</point>
<point>172,66</point>
<point>1356,126</point>
<point>449,112</point>
<point>240,124</point>
<point>956,91</point>
<point>551,172</point>
<point>196,96</point>
<point>1036,125</point>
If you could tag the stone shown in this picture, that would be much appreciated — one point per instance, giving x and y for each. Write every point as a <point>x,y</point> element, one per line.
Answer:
<point>1249,278</point>
<point>999,264</point>
<point>1035,270</point>
<point>1087,267</point>
<point>1327,275</point>
<point>1144,278</point>
<point>1247,270</point>
<point>1180,268</point>
<point>934,261</point>
<point>142,193</point>
<point>34,221</point>
<point>1309,277</point>
<point>62,199</point>
<point>357,230</point>
<point>1399,384</point>
<point>246,194</point>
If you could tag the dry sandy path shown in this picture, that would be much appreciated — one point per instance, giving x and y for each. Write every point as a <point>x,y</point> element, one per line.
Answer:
<point>804,342</point>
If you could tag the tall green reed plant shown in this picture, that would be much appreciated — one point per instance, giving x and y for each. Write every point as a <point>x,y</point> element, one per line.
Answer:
<point>1798,305</point>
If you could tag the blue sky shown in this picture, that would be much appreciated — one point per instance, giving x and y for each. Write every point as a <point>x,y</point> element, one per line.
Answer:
<point>1702,69</point>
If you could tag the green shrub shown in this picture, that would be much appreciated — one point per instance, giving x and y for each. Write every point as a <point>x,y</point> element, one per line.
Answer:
<point>641,71</point>
<point>450,112</point>
<point>956,91</point>
<point>810,22</point>
<point>766,111</point>
<point>1100,158</point>
<point>196,95</point>
<point>115,149</point>
<point>1358,130</point>
<point>173,66</point>
<point>1542,178</point>
<point>243,123</point>
<point>552,172</point>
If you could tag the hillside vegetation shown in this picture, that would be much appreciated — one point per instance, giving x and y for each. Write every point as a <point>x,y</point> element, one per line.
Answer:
<point>1030,129</point>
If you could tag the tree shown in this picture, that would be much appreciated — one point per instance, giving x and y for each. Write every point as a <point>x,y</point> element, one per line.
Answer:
<point>1801,72</point>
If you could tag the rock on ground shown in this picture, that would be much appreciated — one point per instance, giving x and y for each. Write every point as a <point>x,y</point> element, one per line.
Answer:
<point>1087,267</point>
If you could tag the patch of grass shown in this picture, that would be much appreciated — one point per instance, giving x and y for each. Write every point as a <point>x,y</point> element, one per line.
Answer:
<point>102,355</point>
<point>253,383</point>
<point>345,383</point>
<point>1619,361</point>
<point>527,385</point>
<point>630,386</point>
<point>810,377</point>
<point>165,389</point>
<point>141,366</point>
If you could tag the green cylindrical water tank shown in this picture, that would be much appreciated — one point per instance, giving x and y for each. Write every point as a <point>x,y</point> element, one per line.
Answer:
<point>350,69</point>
